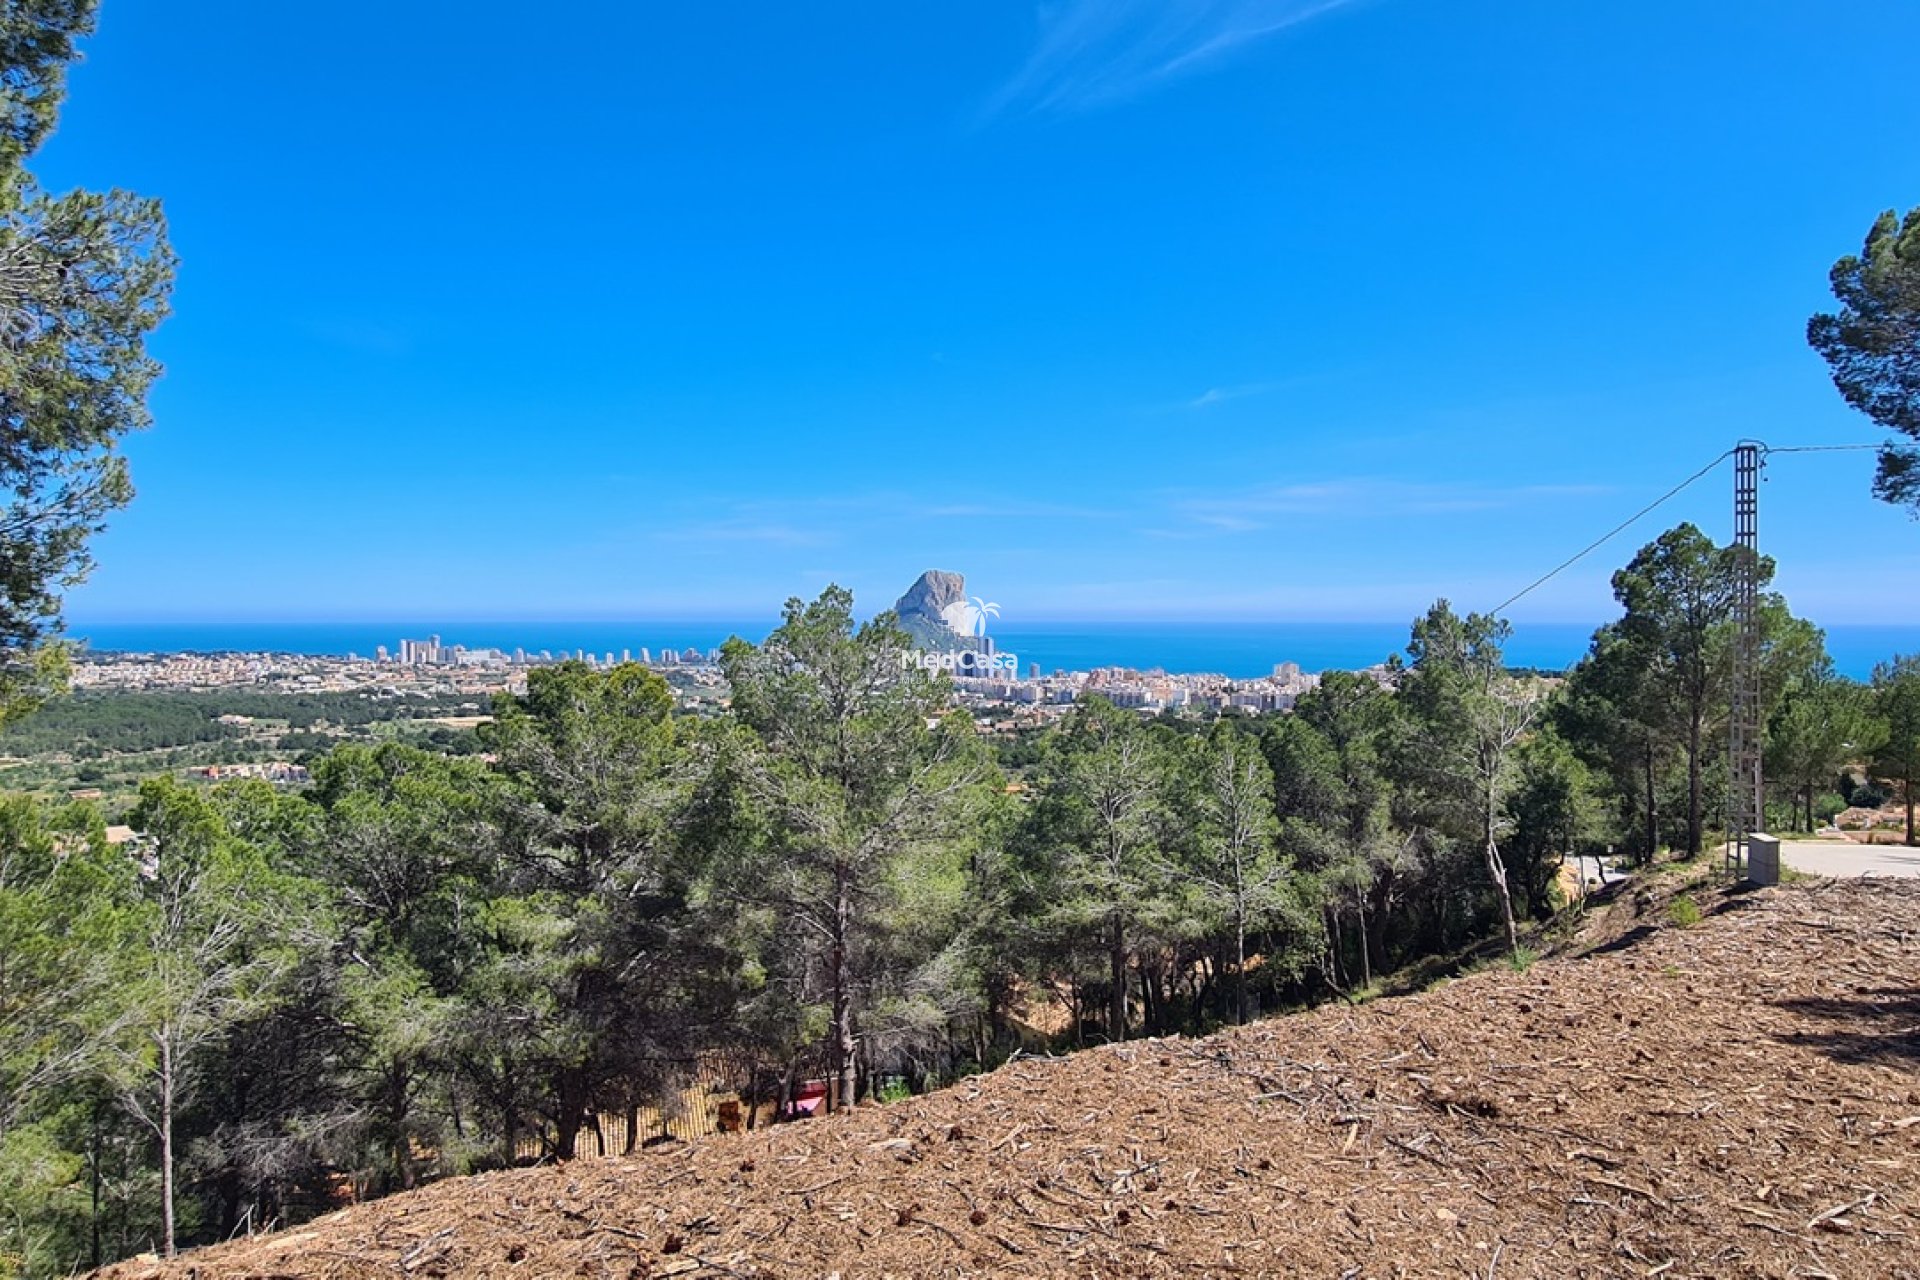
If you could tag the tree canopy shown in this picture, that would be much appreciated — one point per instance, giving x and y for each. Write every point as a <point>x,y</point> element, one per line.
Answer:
<point>84,278</point>
<point>1872,346</point>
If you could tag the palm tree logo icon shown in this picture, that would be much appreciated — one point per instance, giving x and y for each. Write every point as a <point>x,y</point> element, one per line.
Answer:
<point>977,614</point>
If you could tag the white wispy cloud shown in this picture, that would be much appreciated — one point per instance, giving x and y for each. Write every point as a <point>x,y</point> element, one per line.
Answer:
<point>837,520</point>
<point>1220,395</point>
<point>1227,523</point>
<point>1093,52</point>
<point>1012,511</point>
<point>1250,510</point>
<point>846,510</point>
<point>736,532</point>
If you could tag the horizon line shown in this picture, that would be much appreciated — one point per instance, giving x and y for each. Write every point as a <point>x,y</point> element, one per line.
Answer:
<point>744,616</point>
<point>76,628</point>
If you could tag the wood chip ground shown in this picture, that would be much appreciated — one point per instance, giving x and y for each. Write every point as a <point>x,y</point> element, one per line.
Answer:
<point>1740,1098</point>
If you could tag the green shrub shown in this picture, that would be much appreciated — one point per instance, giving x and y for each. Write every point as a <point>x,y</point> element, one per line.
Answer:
<point>1684,911</point>
<point>1868,796</point>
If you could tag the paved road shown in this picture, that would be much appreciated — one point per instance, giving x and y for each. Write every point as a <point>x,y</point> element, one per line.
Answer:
<point>1590,872</point>
<point>1833,858</point>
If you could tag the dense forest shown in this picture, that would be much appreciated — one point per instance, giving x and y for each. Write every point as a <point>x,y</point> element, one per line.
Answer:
<point>89,725</point>
<point>426,964</point>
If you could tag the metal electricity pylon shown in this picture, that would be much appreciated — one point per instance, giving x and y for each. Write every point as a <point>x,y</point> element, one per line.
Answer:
<point>1746,807</point>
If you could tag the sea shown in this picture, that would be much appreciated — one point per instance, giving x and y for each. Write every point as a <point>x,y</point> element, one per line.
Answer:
<point>1238,649</point>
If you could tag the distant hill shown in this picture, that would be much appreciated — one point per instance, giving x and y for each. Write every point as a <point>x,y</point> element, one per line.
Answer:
<point>1731,1098</point>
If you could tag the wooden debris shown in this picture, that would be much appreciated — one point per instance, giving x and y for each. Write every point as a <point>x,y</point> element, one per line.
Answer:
<point>1734,1099</point>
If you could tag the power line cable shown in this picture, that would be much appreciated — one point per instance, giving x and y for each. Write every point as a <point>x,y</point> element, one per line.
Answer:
<point>1610,534</point>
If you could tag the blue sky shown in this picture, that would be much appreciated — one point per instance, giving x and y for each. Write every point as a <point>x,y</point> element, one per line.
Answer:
<point>1230,308</point>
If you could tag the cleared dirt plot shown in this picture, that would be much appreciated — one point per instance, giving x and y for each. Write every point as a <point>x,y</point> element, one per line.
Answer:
<point>1738,1098</point>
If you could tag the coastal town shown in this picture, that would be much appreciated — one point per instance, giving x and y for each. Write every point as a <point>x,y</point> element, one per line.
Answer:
<point>266,715</point>
<point>944,631</point>
<point>429,670</point>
